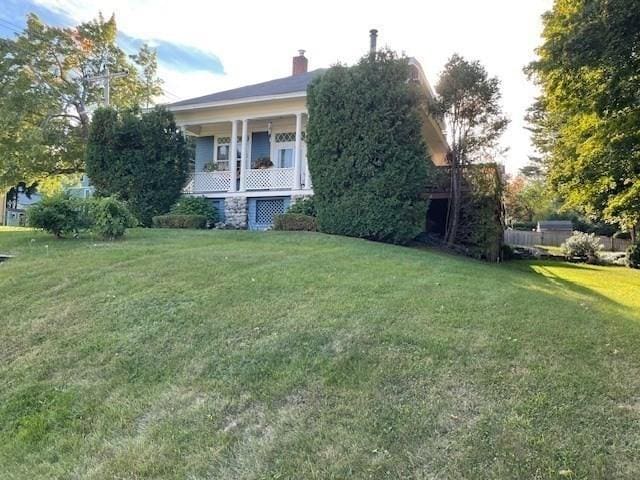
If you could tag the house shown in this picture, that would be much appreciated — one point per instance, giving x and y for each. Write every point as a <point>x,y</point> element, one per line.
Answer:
<point>251,156</point>
<point>15,207</point>
<point>555,226</point>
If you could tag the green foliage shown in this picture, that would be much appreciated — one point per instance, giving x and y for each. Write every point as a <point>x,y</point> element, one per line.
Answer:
<point>109,217</point>
<point>481,216</point>
<point>582,245</point>
<point>142,159</point>
<point>59,215</point>
<point>196,206</point>
<point>469,102</point>
<point>306,206</point>
<point>46,94</point>
<point>180,221</point>
<point>585,123</point>
<point>633,255</point>
<point>295,221</point>
<point>366,153</point>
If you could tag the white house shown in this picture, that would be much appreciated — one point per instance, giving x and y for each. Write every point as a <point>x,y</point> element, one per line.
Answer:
<point>250,144</point>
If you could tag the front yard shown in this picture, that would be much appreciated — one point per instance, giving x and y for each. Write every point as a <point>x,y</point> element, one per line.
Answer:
<point>244,355</point>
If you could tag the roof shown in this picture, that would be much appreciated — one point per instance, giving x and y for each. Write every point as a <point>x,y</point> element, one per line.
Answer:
<point>279,86</point>
<point>555,225</point>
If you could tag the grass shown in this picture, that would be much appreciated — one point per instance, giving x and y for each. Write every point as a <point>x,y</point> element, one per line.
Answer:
<point>193,355</point>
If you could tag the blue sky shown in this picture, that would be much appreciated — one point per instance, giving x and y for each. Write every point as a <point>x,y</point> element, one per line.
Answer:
<point>209,46</point>
<point>171,55</point>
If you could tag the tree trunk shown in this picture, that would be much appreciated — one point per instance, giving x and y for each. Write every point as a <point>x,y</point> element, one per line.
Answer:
<point>453,215</point>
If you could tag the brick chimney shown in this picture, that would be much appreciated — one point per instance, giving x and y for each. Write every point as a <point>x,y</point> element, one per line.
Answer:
<point>300,63</point>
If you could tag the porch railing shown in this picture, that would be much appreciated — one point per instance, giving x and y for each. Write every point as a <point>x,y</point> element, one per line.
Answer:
<point>209,182</point>
<point>269,179</point>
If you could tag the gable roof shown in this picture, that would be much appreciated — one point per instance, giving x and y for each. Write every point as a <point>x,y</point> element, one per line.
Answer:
<point>279,86</point>
<point>560,225</point>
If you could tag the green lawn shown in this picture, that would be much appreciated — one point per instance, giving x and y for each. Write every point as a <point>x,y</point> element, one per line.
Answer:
<point>243,355</point>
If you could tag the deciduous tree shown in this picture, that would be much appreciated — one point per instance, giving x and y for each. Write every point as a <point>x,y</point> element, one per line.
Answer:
<point>47,94</point>
<point>469,101</point>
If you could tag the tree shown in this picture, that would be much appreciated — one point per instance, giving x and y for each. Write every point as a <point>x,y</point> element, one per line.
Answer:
<point>589,113</point>
<point>366,153</point>
<point>47,94</point>
<point>140,158</point>
<point>469,101</point>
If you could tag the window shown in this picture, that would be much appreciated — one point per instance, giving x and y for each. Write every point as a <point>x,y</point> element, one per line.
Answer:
<point>284,157</point>
<point>221,153</point>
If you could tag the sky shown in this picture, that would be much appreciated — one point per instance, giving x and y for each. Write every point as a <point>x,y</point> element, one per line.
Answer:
<point>208,46</point>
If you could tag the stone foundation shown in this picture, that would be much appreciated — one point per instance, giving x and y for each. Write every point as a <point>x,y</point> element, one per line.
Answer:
<point>235,212</point>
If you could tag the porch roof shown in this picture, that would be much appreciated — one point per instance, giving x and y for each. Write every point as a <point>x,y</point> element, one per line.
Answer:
<point>279,86</point>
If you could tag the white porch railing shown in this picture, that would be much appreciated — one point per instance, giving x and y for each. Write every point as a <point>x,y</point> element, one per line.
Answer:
<point>269,179</point>
<point>209,182</point>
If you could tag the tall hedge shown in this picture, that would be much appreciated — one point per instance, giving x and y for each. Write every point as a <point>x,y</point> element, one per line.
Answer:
<point>366,152</point>
<point>140,158</point>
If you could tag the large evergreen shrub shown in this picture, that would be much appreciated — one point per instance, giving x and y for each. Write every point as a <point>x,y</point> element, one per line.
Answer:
<point>366,152</point>
<point>142,159</point>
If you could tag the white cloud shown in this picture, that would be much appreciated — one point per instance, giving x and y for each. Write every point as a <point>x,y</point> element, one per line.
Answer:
<point>256,40</point>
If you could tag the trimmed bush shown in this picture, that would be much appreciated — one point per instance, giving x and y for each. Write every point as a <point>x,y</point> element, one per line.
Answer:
<point>180,221</point>
<point>110,217</point>
<point>583,246</point>
<point>295,222</point>
<point>59,215</point>
<point>196,206</point>
<point>142,158</point>
<point>366,152</point>
<point>306,206</point>
<point>633,255</point>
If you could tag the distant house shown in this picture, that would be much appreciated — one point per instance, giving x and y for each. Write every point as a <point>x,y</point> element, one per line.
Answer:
<point>82,190</point>
<point>554,226</point>
<point>251,154</point>
<point>15,208</point>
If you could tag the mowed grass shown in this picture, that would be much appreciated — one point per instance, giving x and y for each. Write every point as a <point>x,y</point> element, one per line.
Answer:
<point>244,355</point>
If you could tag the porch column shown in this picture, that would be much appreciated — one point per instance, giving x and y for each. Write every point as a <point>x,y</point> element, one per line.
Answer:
<point>297,157</point>
<point>307,175</point>
<point>243,156</point>
<point>233,160</point>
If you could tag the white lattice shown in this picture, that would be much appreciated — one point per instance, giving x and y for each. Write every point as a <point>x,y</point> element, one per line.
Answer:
<point>189,186</point>
<point>211,182</point>
<point>267,209</point>
<point>269,179</point>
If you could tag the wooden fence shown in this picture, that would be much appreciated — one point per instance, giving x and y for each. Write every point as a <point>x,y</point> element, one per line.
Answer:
<point>555,239</point>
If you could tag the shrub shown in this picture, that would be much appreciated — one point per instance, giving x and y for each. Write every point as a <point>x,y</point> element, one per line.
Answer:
<point>306,206</point>
<point>110,217</point>
<point>633,255</point>
<point>143,159</point>
<point>295,221</point>
<point>582,245</point>
<point>58,215</point>
<point>366,150</point>
<point>180,221</point>
<point>196,206</point>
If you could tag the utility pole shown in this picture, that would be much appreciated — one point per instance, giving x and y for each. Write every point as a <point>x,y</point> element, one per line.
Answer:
<point>106,78</point>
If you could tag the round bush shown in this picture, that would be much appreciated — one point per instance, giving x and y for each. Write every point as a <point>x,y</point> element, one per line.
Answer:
<point>58,215</point>
<point>110,217</point>
<point>583,246</point>
<point>306,206</point>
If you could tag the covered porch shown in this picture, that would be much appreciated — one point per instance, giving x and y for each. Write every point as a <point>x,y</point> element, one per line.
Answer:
<point>267,153</point>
